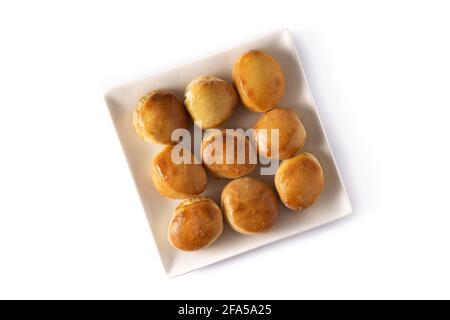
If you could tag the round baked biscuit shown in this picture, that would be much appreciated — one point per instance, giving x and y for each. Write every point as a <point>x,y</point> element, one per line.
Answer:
<point>259,80</point>
<point>249,205</point>
<point>228,154</point>
<point>291,134</point>
<point>178,180</point>
<point>195,224</point>
<point>299,181</point>
<point>210,101</point>
<point>157,115</point>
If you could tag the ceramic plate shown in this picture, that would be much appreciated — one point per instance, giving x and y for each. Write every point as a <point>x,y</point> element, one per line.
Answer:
<point>333,203</point>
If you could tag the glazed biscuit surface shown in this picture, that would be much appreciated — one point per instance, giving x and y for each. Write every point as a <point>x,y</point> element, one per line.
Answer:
<point>157,115</point>
<point>178,181</point>
<point>228,155</point>
<point>291,133</point>
<point>210,101</point>
<point>249,205</point>
<point>299,181</point>
<point>195,224</point>
<point>259,80</point>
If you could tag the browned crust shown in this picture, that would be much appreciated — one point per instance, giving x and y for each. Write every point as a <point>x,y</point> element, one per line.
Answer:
<point>259,89</point>
<point>195,224</point>
<point>249,205</point>
<point>157,115</point>
<point>227,170</point>
<point>299,181</point>
<point>177,181</point>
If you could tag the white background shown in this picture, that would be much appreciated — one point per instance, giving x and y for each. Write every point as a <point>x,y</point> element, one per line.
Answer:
<point>71,224</point>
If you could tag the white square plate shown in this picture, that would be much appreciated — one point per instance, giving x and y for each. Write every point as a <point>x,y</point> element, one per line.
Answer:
<point>333,203</point>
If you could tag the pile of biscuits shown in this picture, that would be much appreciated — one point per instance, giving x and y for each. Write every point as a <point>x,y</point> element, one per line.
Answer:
<point>249,205</point>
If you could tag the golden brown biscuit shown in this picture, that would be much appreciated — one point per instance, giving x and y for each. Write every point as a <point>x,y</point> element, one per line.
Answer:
<point>210,101</point>
<point>178,181</point>
<point>195,224</point>
<point>291,137</point>
<point>299,181</point>
<point>157,114</point>
<point>249,205</point>
<point>259,80</point>
<point>227,164</point>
